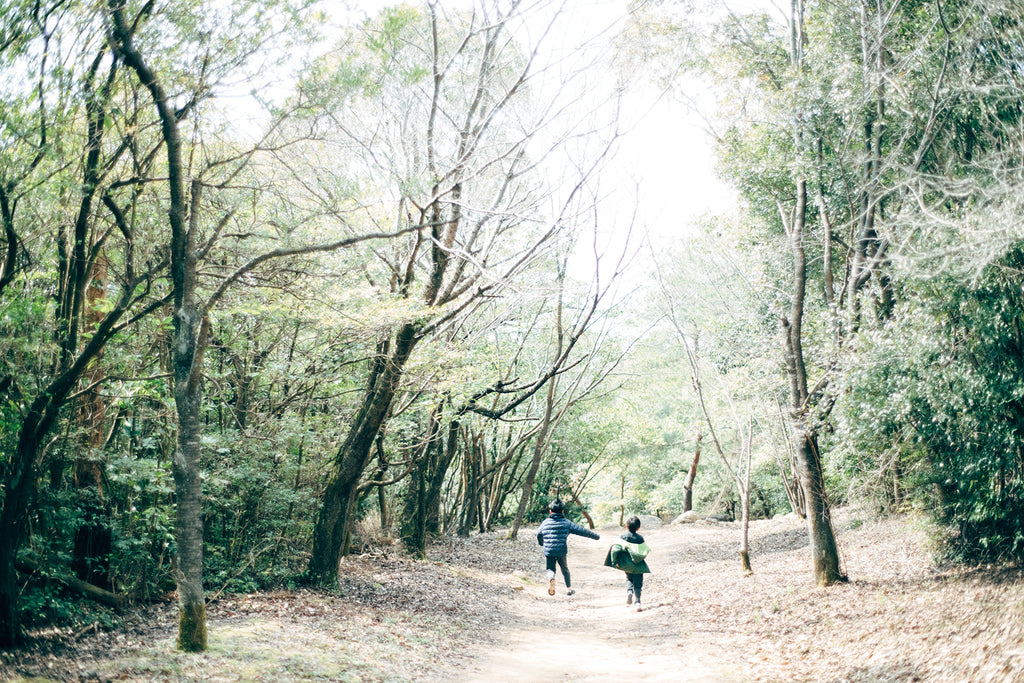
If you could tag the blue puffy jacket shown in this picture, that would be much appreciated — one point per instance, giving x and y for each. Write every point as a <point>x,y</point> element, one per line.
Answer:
<point>555,529</point>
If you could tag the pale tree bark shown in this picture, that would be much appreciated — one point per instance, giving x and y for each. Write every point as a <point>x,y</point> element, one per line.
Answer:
<point>691,474</point>
<point>746,448</point>
<point>824,550</point>
<point>788,468</point>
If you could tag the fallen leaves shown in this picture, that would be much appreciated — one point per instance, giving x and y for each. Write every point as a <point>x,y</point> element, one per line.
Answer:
<point>899,618</point>
<point>397,619</point>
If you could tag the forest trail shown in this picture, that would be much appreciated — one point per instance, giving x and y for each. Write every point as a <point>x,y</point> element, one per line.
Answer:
<point>592,635</point>
<point>478,610</point>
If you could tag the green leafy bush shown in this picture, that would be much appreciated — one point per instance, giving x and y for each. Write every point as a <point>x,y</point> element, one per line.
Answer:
<point>934,408</point>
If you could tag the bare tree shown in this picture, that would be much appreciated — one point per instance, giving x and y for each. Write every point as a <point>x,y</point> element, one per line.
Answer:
<point>458,145</point>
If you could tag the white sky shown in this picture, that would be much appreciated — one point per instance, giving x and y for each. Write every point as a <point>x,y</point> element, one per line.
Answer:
<point>665,151</point>
<point>664,167</point>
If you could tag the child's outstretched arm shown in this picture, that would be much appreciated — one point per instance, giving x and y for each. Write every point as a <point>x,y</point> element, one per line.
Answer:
<point>584,531</point>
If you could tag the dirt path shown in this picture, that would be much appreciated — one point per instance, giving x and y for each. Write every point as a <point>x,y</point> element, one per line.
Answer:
<point>458,617</point>
<point>592,636</point>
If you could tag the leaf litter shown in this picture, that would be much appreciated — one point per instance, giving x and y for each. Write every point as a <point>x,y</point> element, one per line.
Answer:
<point>899,618</point>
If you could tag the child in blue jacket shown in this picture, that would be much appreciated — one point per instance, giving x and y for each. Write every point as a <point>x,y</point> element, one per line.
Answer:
<point>552,536</point>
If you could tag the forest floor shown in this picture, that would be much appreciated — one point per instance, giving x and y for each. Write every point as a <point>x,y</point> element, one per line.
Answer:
<point>478,610</point>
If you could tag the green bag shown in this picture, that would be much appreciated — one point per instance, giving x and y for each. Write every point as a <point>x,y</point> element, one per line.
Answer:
<point>628,557</point>
<point>638,551</point>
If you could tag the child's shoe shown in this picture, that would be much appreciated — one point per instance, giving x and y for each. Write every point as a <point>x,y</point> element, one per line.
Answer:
<point>551,587</point>
<point>629,598</point>
<point>638,608</point>
<point>570,591</point>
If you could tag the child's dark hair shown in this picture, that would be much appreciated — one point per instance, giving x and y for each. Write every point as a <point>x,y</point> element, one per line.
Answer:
<point>633,523</point>
<point>556,506</point>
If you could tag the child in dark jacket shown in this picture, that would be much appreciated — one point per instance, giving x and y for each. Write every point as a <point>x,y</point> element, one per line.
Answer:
<point>552,536</point>
<point>629,555</point>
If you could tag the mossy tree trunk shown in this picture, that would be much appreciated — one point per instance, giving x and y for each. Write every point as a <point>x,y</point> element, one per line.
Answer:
<point>333,530</point>
<point>187,345</point>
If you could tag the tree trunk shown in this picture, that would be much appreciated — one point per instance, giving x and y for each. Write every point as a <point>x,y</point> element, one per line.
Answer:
<point>382,472</point>
<point>188,344</point>
<point>13,520</point>
<point>332,534</point>
<point>421,508</point>
<point>472,475</point>
<point>505,481</point>
<point>192,634</point>
<point>100,595</point>
<point>90,558</point>
<point>583,510</point>
<point>692,475</point>
<point>794,489</point>
<point>538,454</point>
<point>446,454</point>
<point>824,552</point>
<point>622,499</point>
<point>745,505</point>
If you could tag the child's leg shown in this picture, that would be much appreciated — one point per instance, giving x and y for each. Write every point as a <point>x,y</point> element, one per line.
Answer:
<point>629,588</point>
<point>550,563</point>
<point>638,584</point>
<point>563,562</point>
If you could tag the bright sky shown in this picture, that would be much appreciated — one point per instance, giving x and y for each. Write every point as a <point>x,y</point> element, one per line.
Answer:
<point>664,167</point>
<point>665,150</point>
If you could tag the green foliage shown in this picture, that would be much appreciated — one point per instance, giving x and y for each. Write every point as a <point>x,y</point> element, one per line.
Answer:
<point>46,601</point>
<point>144,539</point>
<point>936,401</point>
<point>767,493</point>
<point>929,397</point>
<point>256,521</point>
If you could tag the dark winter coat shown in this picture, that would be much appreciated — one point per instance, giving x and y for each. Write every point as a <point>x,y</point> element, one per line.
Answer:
<point>554,531</point>
<point>628,555</point>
